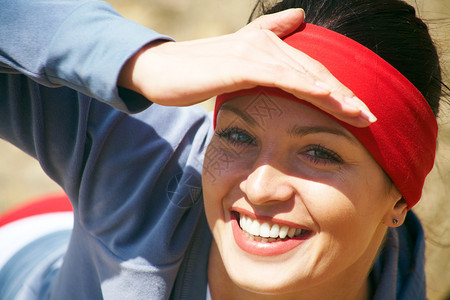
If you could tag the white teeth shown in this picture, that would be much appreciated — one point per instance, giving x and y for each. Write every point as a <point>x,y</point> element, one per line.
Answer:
<point>291,232</point>
<point>265,231</point>
<point>274,231</point>
<point>254,228</point>
<point>283,231</point>
<point>248,222</point>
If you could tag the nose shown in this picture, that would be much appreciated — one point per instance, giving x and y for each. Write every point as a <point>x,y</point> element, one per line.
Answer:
<point>266,185</point>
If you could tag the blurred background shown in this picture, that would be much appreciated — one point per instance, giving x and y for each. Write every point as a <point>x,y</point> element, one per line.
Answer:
<point>21,178</point>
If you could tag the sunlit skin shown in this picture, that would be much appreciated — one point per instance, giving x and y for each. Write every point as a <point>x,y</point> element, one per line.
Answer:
<point>288,162</point>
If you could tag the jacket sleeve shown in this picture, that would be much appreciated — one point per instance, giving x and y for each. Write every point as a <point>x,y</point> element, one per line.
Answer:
<point>81,44</point>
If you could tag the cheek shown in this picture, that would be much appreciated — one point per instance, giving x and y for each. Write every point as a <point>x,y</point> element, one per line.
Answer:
<point>224,165</point>
<point>330,208</point>
<point>368,193</point>
<point>359,190</point>
<point>343,237</point>
<point>221,161</point>
<point>219,180</point>
<point>348,213</point>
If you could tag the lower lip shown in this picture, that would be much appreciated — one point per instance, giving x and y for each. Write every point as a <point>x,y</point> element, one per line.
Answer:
<point>262,248</point>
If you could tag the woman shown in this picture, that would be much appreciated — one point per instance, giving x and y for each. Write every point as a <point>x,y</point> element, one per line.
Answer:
<point>300,169</point>
<point>299,204</point>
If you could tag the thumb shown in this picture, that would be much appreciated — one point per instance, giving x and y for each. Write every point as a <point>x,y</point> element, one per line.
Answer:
<point>281,23</point>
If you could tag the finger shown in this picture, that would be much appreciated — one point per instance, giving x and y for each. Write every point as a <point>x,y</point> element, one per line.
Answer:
<point>348,102</point>
<point>281,23</point>
<point>348,109</point>
<point>303,87</point>
<point>311,67</point>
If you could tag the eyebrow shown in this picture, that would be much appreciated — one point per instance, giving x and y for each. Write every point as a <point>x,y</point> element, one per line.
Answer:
<point>305,130</point>
<point>243,115</point>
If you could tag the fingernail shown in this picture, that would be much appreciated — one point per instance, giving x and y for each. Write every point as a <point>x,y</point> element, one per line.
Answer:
<point>368,116</point>
<point>365,112</point>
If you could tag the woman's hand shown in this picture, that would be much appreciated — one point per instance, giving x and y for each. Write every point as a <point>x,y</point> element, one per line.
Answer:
<point>185,73</point>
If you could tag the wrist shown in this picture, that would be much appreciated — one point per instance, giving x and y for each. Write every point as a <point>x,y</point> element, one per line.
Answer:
<point>129,76</point>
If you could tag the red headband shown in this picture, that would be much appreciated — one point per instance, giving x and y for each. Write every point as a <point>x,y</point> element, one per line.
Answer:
<point>403,140</point>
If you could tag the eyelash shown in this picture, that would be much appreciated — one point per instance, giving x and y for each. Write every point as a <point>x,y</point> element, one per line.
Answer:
<point>319,150</point>
<point>234,136</point>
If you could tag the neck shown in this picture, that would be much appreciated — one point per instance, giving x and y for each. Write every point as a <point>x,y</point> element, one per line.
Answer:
<point>351,286</point>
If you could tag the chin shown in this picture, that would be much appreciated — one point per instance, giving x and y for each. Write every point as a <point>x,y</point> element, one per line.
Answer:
<point>268,285</point>
<point>266,278</point>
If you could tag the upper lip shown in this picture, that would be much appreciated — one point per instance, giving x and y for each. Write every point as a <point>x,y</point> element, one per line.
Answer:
<point>268,218</point>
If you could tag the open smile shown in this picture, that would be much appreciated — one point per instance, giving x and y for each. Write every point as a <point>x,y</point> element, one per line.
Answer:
<point>264,238</point>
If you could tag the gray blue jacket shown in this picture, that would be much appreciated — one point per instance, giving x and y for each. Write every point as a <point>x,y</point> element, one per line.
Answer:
<point>131,170</point>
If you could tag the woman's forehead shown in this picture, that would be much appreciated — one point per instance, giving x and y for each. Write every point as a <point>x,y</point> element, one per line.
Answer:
<point>263,110</point>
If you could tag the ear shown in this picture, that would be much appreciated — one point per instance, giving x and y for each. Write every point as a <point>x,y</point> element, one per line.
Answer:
<point>397,214</point>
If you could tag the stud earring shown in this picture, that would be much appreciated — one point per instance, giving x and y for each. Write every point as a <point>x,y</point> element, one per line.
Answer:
<point>395,221</point>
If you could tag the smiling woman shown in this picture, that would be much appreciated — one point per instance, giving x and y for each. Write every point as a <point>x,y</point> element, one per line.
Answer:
<point>301,209</point>
<point>307,206</point>
<point>295,190</point>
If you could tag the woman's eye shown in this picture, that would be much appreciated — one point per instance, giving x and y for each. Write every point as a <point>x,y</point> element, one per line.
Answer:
<point>321,155</point>
<point>236,136</point>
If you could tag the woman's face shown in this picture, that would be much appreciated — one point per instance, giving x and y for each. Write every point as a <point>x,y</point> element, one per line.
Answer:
<point>293,200</point>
